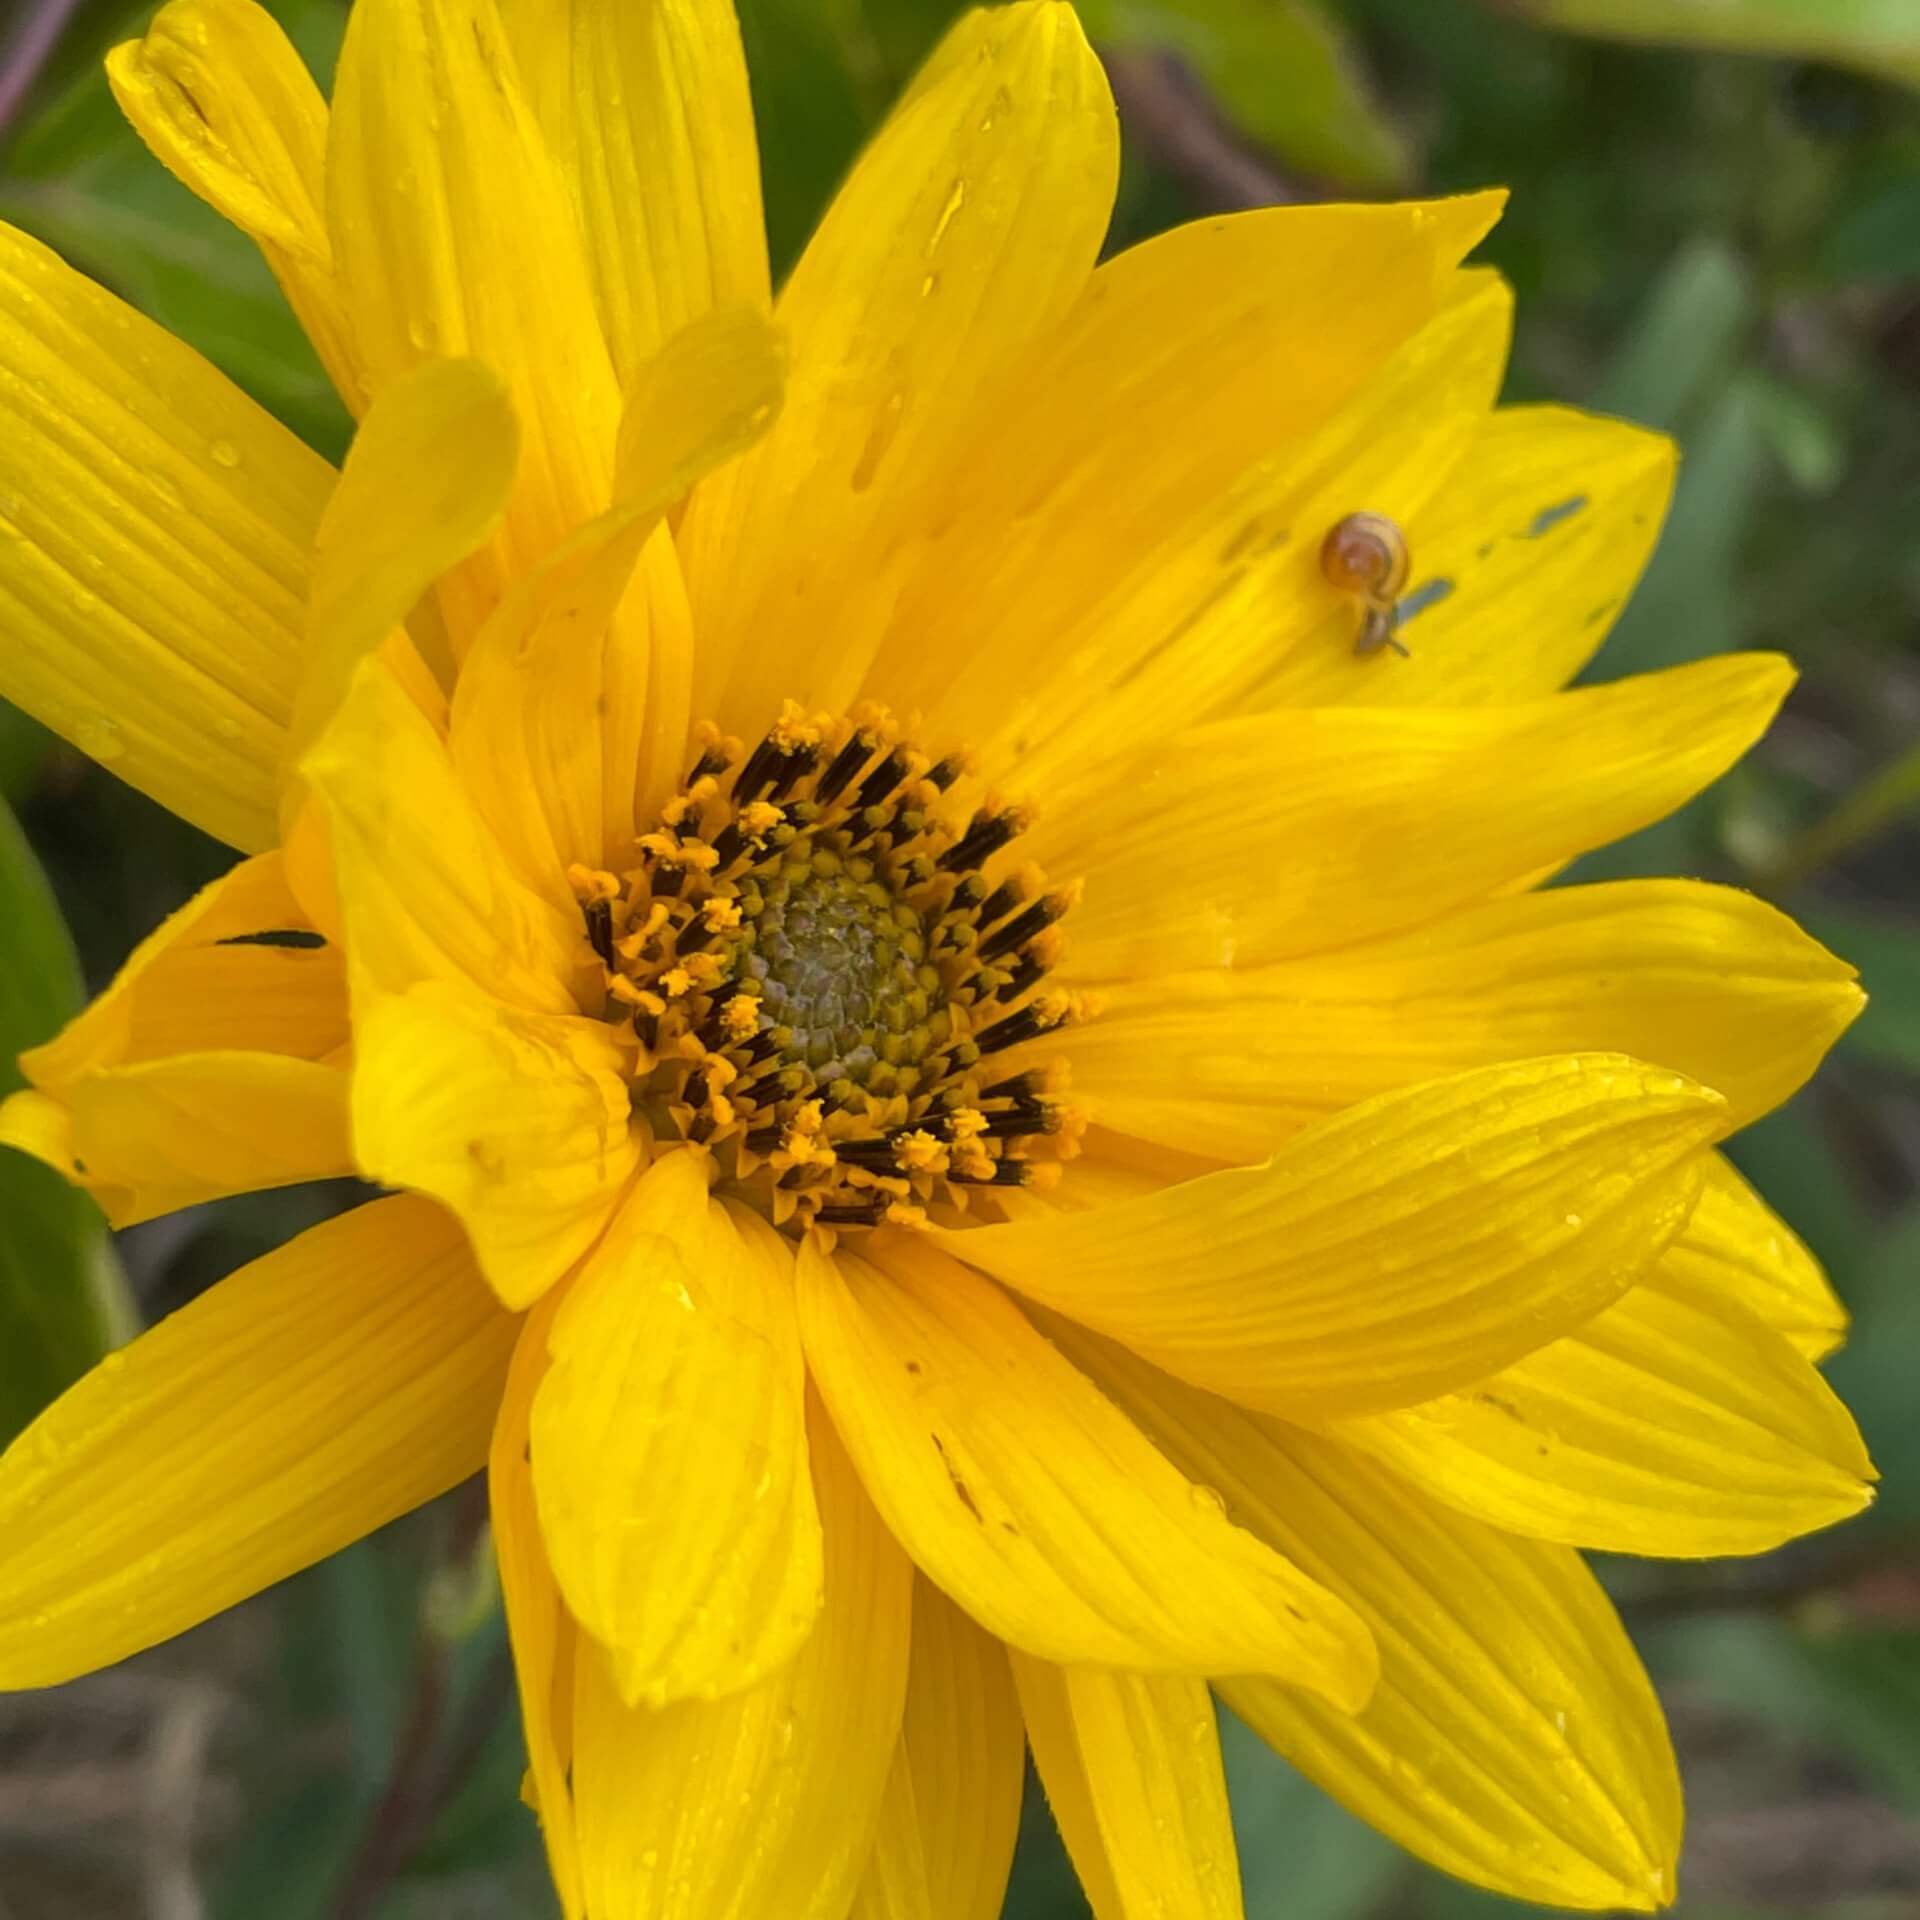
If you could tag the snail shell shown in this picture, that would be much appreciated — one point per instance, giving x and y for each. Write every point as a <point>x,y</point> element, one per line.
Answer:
<point>1366,554</point>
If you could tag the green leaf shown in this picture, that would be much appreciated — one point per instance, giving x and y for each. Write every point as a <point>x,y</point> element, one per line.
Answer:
<point>1684,339</point>
<point>79,178</point>
<point>1283,73</point>
<point>62,1303</point>
<point>1880,36</point>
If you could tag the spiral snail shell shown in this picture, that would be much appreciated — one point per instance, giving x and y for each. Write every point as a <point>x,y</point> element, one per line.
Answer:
<point>1366,555</point>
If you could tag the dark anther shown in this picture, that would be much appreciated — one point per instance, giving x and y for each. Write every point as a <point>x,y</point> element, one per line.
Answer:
<point>1001,902</point>
<point>846,763</point>
<point>727,845</point>
<point>882,780</point>
<point>763,1043</point>
<point>764,1140</point>
<point>986,834</point>
<point>695,1091</point>
<point>1006,1173</point>
<point>647,1026</point>
<point>1022,927</point>
<point>792,765</point>
<point>1029,973</point>
<point>1022,1086</point>
<point>711,764</point>
<point>1028,1024</point>
<point>947,771</point>
<point>755,770</point>
<point>1019,1122</point>
<point>867,1213</point>
<point>599,915</point>
<point>866,1153</point>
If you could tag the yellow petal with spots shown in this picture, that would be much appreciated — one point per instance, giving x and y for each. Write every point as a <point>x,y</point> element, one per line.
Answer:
<point>217,91</point>
<point>519,1122</point>
<point>237,969</point>
<point>952,1811</point>
<point>1131,1765</point>
<point>424,888</point>
<point>302,1402</point>
<point>963,234</point>
<point>1024,1494</point>
<point>452,235</point>
<point>669,1446</point>
<point>1521,564</point>
<point>1706,980</point>
<point>1408,1245</point>
<point>542,1632</point>
<point>424,483</point>
<point>1737,1249</point>
<point>1674,1423</point>
<point>1513,1739</point>
<point>573,699</point>
<point>761,1806</point>
<point>1300,832</point>
<point>153,549</point>
<point>647,113</point>
<point>1113,598</point>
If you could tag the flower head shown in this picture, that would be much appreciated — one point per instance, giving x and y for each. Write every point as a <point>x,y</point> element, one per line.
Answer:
<point>989,1119</point>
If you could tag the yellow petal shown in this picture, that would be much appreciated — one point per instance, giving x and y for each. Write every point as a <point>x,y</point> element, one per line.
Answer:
<point>1708,981</point>
<point>1131,1765</point>
<point>542,1633</point>
<point>1112,598</point>
<point>761,1806</point>
<point>220,974</point>
<point>1299,832</point>
<point>965,231</point>
<point>424,888</point>
<point>1736,1248</point>
<point>1521,563</point>
<point>154,528</point>
<point>520,1123</point>
<point>164,1134</point>
<point>952,1810</point>
<point>305,1400</point>
<point>1674,1424</point>
<point>571,689</point>
<point>1022,1492</point>
<point>669,1446</point>
<point>1410,1244</point>
<point>1513,1739</point>
<point>452,235</point>
<point>423,484</point>
<point>218,92</point>
<point>646,111</point>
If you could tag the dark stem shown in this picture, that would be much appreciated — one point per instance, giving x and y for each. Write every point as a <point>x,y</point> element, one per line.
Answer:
<point>1175,118</point>
<point>28,52</point>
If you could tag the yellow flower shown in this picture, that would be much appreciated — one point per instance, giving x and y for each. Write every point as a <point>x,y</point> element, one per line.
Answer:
<point>989,1123</point>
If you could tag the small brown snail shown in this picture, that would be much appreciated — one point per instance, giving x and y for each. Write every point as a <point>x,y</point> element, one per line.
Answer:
<point>1365,554</point>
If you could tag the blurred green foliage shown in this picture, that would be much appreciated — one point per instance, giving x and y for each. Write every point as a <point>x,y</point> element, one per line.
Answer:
<point>1719,243</point>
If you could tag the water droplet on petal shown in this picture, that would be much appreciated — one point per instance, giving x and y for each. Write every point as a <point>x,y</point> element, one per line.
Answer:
<point>225,454</point>
<point>100,738</point>
<point>1208,1499</point>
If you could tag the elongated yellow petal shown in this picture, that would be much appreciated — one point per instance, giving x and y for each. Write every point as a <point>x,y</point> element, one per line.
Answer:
<point>573,684</point>
<point>1711,982</point>
<point>1513,1739</point>
<point>1737,1248</point>
<point>762,1806</point>
<point>669,1446</point>
<point>236,968</point>
<point>452,235</point>
<point>542,1632</point>
<point>153,549</point>
<point>424,483</point>
<point>1024,1494</point>
<point>1111,597</point>
<point>1521,564</point>
<point>425,891</point>
<point>1674,1424</point>
<point>646,112</point>
<point>964,233</point>
<point>219,94</point>
<point>952,1811</point>
<point>302,1402</point>
<point>519,1122</point>
<point>1131,1765</point>
<point>1301,832</point>
<point>164,1134</point>
<point>1421,1239</point>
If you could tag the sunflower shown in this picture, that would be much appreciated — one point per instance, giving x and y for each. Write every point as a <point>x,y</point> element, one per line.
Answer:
<point>989,1124</point>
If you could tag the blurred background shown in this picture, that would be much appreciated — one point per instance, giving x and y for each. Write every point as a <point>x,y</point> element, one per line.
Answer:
<point>1715,228</point>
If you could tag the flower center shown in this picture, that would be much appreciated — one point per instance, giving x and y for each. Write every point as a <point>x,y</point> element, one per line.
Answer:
<point>821,977</point>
